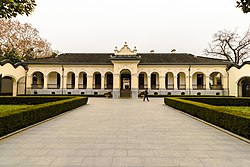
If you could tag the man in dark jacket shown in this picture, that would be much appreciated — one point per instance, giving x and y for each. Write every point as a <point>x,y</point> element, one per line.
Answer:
<point>145,95</point>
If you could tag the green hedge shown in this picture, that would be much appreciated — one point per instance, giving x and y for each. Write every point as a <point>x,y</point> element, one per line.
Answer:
<point>235,123</point>
<point>25,117</point>
<point>29,100</point>
<point>219,101</point>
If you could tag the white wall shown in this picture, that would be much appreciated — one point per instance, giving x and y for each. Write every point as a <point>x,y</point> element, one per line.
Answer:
<point>235,75</point>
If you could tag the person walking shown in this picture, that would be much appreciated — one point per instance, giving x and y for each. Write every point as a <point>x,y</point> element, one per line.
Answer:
<point>145,95</point>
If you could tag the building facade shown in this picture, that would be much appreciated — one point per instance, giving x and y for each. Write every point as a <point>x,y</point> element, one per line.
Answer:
<point>126,73</point>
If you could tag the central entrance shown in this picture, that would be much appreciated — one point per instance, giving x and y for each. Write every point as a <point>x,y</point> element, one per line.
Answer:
<point>125,80</point>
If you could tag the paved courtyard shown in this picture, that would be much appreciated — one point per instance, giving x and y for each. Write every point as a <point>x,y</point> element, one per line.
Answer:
<point>124,132</point>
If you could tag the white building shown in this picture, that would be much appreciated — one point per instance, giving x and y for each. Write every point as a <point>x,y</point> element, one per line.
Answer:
<point>125,73</point>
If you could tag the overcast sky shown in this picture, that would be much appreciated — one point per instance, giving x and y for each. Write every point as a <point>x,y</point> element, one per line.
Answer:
<point>160,25</point>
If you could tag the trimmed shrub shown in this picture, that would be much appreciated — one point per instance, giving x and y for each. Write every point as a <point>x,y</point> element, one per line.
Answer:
<point>31,100</point>
<point>228,120</point>
<point>219,101</point>
<point>25,117</point>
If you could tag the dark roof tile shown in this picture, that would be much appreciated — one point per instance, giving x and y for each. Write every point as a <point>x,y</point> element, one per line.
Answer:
<point>146,59</point>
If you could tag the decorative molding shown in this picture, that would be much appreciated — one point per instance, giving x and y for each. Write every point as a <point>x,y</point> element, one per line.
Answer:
<point>6,61</point>
<point>237,66</point>
<point>125,51</point>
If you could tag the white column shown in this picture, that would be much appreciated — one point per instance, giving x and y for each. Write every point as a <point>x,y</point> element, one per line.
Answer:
<point>64,82</point>
<point>76,81</point>
<point>45,82</point>
<point>175,83</point>
<point>102,82</point>
<point>29,81</point>
<point>14,88</point>
<point>134,81</point>
<point>149,82</point>
<point>162,82</point>
<point>207,83</point>
<point>116,84</point>
<point>224,82</point>
<point>89,81</point>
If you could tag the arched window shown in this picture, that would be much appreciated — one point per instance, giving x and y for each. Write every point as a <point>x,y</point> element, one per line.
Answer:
<point>244,87</point>
<point>54,80</point>
<point>108,81</point>
<point>199,81</point>
<point>37,80</point>
<point>169,81</point>
<point>70,80</point>
<point>154,81</point>
<point>143,80</point>
<point>181,81</point>
<point>82,80</point>
<point>215,81</point>
<point>97,80</point>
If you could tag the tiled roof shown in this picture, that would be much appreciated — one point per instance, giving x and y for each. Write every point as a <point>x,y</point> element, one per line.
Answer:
<point>177,58</point>
<point>3,62</point>
<point>145,59</point>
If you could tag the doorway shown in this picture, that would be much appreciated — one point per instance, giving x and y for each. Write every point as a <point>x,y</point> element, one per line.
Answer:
<point>125,80</point>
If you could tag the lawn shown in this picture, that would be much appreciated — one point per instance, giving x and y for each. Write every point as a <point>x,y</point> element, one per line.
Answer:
<point>239,110</point>
<point>9,108</point>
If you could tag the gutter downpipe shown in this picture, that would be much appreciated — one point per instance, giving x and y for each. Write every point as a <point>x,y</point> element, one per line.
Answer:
<point>25,86</point>
<point>62,78</point>
<point>189,89</point>
<point>227,82</point>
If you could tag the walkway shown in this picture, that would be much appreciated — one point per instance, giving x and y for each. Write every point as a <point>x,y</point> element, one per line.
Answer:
<point>123,132</point>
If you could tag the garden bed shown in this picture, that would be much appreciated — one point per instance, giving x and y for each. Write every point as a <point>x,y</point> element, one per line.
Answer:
<point>41,108</point>
<point>234,119</point>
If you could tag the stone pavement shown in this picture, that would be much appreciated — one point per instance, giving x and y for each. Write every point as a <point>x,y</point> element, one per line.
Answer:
<point>120,133</point>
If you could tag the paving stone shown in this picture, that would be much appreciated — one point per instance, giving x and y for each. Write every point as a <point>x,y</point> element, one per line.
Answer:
<point>123,132</point>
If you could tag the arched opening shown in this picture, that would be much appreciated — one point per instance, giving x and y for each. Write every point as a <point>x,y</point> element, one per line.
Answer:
<point>70,80</point>
<point>108,81</point>
<point>143,80</point>
<point>199,81</point>
<point>97,80</point>
<point>215,81</point>
<point>244,87</point>
<point>21,86</point>
<point>181,81</point>
<point>125,87</point>
<point>154,81</point>
<point>37,80</point>
<point>7,84</point>
<point>54,80</point>
<point>169,81</point>
<point>82,80</point>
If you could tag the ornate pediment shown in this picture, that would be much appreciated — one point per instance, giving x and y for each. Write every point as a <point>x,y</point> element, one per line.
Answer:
<point>125,51</point>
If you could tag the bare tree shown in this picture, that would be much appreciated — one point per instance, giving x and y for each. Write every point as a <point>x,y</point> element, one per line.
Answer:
<point>24,39</point>
<point>244,5</point>
<point>230,45</point>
